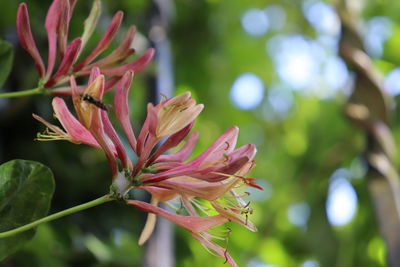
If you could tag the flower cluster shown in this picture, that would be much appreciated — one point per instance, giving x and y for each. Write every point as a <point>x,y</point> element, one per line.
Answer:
<point>57,24</point>
<point>203,191</point>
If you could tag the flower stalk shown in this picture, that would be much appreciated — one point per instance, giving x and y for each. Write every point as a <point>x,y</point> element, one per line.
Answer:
<point>34,91</point>
<point>84,206</point>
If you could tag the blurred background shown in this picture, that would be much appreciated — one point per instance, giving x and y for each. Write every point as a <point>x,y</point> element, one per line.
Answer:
<point>270,67</point>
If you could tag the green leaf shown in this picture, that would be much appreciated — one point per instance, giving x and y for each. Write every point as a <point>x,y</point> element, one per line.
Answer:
<point>6,60</point>
<point>26,189</point>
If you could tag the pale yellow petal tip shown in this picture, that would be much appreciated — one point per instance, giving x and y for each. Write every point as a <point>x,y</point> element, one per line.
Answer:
<point>148,228</point>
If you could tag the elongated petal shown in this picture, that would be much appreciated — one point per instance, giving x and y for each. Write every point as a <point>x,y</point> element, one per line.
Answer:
<point>184,152</point>
<point>104,41</point>
<point>97,130</point>
<point>51,24</point>
<point>150,224</point>
<point>223,145</point>
<point>135,66</point>
<point>194,224</point>
<point>122,52</point>
<point>202,189</point>
<point>78,132</point>
<point>162,194</point>
<point>91,22</point>
<point>217,174</point>
<point>171,142</point>
<point>63,25</point>
<point>112,134</point>
<point>26,39</point>
<point>122,107</point>
<point>248,150</point>
<point>68,60</point>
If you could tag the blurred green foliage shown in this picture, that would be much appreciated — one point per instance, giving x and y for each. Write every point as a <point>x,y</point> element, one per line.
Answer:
<point>297,154</point>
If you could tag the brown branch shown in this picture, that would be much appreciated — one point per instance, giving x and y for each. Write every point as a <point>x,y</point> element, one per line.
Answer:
<point>369,108</point>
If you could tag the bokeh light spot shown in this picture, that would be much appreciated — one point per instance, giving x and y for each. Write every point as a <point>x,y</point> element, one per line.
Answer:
<point>341,205</point>
<point>247,91</point>
<point>298,214</point>
<point>322,17</point>
<point>255,22</point>
<point>392,82</point>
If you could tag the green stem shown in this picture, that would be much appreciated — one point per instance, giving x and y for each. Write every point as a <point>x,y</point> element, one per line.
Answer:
<point>57,215</point>
<point>34,91</point>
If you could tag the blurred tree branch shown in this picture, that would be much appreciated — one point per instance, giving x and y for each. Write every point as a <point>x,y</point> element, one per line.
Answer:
<point>369,107</point>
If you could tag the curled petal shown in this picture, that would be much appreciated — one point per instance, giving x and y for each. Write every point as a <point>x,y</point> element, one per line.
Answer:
<point>175,114</point>
<point>26,38</point>
<point>194,224</point>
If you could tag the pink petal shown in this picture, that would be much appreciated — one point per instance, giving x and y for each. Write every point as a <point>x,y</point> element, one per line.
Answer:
<point>217,174</point>
<point>68,60</point>
<point>171,142</point>
<point>248,150</point>
<point>97,130</point>
<point>184,152</point>
<point>223,145</point>
<point>26,39</point>
<point>194,224</point>
<point>73,127</point>
<point>52,23</point>
<point>135,66</point>
<point>202,189</point>
<point>63,25</point>
<point>122,107</point>
<point>104,42</point>
<point>123,51</point>
<point>112,134</point>
<point>94,73</point>
<point>162,194</point>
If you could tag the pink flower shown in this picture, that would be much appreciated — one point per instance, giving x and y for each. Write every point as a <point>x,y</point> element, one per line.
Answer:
<point>57,24</point>
<point>206,187</point>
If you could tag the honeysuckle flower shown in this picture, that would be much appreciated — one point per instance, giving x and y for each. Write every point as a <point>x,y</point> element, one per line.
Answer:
<point>205,192</point>
<point>57,24</point>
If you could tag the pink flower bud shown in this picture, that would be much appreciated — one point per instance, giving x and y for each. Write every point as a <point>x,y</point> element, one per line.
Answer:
<point>26,38</point>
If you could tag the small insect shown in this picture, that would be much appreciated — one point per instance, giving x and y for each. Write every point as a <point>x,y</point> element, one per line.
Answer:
<point>93,100</point>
